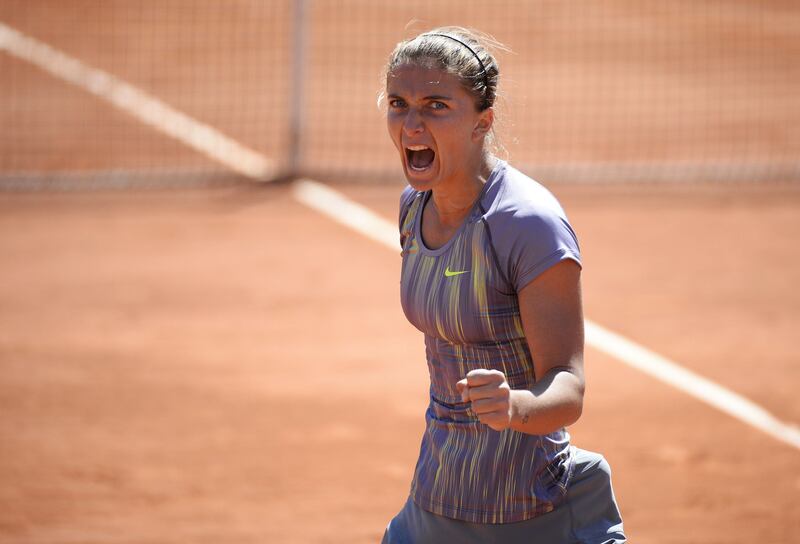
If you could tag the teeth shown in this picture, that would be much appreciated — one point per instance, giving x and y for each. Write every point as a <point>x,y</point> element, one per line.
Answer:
<point>417,147</point>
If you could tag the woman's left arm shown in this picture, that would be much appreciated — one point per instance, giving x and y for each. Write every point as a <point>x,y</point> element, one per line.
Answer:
<point>552,318</point>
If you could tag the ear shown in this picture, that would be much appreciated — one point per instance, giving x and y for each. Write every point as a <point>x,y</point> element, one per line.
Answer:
<point>484,124</point>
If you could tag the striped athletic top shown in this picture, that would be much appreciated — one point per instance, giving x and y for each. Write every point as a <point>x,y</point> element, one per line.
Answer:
<point>463,297</point>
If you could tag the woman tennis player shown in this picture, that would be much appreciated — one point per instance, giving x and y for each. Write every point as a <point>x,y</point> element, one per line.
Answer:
<point>491,276</point>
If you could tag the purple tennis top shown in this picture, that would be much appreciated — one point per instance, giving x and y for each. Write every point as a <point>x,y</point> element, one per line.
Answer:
<point>463,297</point>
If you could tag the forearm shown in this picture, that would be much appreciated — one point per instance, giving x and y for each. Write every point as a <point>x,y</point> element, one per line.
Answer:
<point>555,401</point>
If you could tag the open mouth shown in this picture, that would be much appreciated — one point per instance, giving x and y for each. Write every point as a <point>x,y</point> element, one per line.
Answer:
<point>419,157</point>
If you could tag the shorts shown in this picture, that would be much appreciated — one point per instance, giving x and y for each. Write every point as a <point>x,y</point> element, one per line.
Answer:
<point>588,514</point>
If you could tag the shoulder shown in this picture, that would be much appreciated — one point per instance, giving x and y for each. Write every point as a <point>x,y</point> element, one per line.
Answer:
<point>528,228</point>
<point>516,200</point>
<point>407,197</point>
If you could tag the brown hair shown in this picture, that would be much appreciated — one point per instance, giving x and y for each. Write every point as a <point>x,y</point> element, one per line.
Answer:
<point>458,51</point>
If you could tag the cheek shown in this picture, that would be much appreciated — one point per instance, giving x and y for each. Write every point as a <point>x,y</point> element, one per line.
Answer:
<point>455,140</point>
<point>393,126</point>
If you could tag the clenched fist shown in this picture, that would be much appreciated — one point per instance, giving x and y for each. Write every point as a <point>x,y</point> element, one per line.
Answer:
<point>489,395</point>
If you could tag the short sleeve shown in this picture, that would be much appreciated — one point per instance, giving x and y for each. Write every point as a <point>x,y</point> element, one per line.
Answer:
<point>539,241</point>
<point>530,232</point>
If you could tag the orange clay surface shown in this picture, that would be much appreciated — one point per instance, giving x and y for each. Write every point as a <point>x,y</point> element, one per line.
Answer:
<point>228,366</point>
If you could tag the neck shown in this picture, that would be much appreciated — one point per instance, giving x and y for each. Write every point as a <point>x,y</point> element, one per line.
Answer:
<point>455,200</point>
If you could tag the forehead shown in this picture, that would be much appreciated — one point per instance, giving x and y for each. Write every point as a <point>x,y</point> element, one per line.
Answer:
<point>411,79</point>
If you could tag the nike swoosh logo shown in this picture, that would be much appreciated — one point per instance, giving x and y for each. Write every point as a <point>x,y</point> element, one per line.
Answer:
<point>450,273</point>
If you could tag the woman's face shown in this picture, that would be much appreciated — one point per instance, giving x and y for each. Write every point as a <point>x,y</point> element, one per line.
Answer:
<point>434,125</point>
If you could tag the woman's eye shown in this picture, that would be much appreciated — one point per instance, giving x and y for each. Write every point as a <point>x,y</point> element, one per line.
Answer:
<point>438,105</point>
<point>396,103</point>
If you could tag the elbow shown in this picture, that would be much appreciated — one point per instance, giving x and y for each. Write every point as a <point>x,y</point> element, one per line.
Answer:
<point>576,404</point>
<point>576,411</point>
<point>571,387</point>
<point>572,411</point>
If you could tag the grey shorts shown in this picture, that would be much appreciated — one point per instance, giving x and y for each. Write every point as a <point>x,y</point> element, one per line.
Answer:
<point>589,515</point>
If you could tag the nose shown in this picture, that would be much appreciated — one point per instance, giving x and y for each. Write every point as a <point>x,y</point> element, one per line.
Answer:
<point>412,124</point>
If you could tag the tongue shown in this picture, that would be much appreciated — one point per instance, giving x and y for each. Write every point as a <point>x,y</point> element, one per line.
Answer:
<point>422,159</point>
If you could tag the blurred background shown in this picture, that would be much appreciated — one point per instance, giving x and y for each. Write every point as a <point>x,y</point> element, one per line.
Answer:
<point>189,353</point>
<point>601,91</point>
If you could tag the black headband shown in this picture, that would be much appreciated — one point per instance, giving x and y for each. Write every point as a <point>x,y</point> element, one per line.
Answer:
<point>474,54</point>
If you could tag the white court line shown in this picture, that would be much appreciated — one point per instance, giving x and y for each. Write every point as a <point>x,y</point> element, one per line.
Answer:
<point>687,381</point>
<point>136,102</point>
<point>343,210</point>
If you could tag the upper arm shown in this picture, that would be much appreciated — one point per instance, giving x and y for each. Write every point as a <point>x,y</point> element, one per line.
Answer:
<point>552,319</point>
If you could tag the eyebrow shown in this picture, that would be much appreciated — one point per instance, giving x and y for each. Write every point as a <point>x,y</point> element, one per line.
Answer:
<point>429,97</point>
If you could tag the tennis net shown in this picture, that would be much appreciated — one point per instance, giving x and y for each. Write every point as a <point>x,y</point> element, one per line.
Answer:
<point>110,91</point>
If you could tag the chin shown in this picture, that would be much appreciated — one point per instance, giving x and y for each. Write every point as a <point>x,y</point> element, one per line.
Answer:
<point>420,181</point>
<point>418,185</point>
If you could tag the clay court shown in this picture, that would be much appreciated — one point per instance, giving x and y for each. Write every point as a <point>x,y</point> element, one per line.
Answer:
<point>218,362</point>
